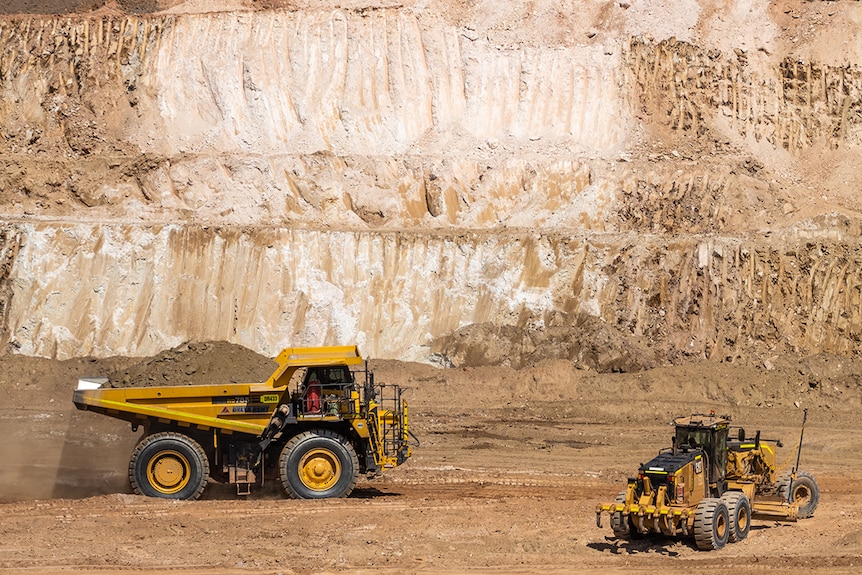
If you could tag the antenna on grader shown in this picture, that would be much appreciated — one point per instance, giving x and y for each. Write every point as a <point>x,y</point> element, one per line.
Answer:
<point>798,454</point>
<point>801,433</point>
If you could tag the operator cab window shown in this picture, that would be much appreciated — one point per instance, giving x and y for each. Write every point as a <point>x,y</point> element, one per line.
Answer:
<point>693,438</point>
<point>338,376</point>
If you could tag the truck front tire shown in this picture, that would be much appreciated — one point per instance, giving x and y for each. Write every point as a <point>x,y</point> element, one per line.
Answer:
<point>169,465</point>
<point>318,464</point>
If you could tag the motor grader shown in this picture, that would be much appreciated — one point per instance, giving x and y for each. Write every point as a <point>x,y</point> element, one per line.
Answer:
<point>710,484</point>
<point>319,436</point>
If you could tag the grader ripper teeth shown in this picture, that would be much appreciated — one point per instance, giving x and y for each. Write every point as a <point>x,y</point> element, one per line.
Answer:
<point>710,485</point>
<point>317,438</point>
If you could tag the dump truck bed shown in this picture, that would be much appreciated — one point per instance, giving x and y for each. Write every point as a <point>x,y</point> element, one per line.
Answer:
<point>234,407</point>
<point>237,407</point>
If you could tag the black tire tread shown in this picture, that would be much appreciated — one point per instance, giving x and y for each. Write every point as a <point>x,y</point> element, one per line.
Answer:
<point>620,522</point>
<point>802,478</point>
<point>709,511</point>
<point>198,453</point>
<point>737,502</point>
<point>339,442</point>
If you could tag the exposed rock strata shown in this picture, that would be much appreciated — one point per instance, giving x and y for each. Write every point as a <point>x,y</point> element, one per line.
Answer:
<point>391,176</point>
<point>123,290</point>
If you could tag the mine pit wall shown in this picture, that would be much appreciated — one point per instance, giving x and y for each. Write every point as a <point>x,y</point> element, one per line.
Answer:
<point>145,120</point>
<point>377,81</point>
<point>118,289</point>
<point>383,119</point>
<point>298,82</point>
<point>791,105</point>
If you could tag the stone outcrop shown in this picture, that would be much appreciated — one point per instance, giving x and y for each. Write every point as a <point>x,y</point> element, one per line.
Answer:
<point>390,177</point>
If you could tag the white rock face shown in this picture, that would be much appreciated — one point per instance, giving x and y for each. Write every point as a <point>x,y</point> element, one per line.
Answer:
<point>381,83</point>
<point>126,290</point>
<point>387,175</point>
<point>89,289</point>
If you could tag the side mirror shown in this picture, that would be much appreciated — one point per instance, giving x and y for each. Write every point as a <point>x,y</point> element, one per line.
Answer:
<point>741,434</point>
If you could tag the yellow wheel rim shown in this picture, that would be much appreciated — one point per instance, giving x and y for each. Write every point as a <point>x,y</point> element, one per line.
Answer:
<point>742,520</point>
<point>720,526</point>
<point>319,469</point>
<point>169,472</point>
<point>802,495</point>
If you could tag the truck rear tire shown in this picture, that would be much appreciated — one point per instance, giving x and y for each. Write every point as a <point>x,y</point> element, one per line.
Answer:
<point>711,524</point>
<point>169,465</point>
<point>739,513</point>
<point>318,464</point>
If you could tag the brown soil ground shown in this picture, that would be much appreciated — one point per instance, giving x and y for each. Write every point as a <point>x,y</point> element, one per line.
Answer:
<point>510,468</point>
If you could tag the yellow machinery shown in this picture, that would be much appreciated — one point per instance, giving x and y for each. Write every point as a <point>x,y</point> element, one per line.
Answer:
<point>710,486</point>
<point>320,436</point>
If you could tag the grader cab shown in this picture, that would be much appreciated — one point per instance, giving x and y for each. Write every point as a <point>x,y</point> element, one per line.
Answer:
<point>710,485</point>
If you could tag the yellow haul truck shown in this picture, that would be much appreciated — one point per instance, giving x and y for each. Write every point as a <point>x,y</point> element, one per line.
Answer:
<point>324,433</point>
<point>710,484</point>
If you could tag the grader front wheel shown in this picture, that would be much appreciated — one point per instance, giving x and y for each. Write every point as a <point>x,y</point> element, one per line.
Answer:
<point>803,490</point>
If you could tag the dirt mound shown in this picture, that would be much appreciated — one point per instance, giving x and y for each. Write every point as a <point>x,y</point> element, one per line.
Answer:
<point>34,382</point>
<point>587,341</point>
<point>827,385</point>
<point>197,363</point>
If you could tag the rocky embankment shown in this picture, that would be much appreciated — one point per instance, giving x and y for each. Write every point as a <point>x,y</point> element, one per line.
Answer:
<point>620,189</point>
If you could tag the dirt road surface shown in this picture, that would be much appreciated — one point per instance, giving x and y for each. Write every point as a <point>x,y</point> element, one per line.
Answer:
<point>506,480</point>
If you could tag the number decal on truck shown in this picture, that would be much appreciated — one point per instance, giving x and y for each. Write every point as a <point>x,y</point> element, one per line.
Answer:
<point>230,400</point>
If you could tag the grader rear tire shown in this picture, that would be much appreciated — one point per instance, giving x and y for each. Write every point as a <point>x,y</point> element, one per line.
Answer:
<point>318,464</point>
<point>169,465</point>
<point>739,513</point>
<point>711,524</point>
